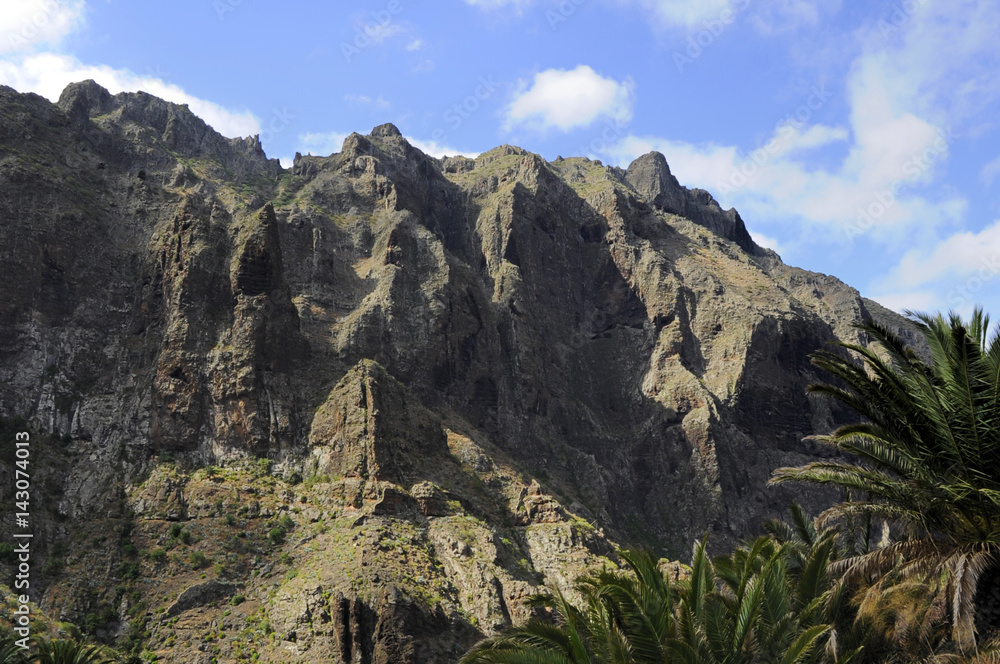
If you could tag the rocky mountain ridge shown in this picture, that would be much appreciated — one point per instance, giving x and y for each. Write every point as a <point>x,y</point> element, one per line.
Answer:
<point>387,396</point>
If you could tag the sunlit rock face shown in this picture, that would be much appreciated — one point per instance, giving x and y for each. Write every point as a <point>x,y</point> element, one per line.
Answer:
<point>503,365</point>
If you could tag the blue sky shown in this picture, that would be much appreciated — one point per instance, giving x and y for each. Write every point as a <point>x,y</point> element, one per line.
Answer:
<point>858,139</point>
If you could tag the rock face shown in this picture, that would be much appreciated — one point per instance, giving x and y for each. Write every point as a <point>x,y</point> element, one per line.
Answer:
<point>467,377</point>
<point>650,177</point>
<point>198,594</point>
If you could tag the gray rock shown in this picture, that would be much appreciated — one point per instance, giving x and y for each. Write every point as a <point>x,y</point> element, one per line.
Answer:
<point>200,594</point>
<point>389,320</point>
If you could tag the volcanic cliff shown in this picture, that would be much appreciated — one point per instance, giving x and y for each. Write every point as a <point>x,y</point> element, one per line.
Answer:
<point>358,410</point>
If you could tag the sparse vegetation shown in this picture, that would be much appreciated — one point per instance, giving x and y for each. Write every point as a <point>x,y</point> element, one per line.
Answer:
<point>156,555</point>
<point>198,560</point>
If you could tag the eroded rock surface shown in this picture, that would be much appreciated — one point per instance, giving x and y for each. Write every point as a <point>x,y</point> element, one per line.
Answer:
<point>388,396</point>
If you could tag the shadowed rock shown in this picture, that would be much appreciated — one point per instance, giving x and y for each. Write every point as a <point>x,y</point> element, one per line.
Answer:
<point>460,379</point>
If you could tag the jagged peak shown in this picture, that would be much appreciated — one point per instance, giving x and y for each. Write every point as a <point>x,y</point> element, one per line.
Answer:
<point>703,197</point>
<point>457,164</point>
<point>85,99</point>
<point>391,139</point>
<point>656,159</point>
<point>173,124</point>
<point>499,152</point>
<point>387,130</point>
<point>266,214</point>
<point>356,144</point>
<point>650,177</point>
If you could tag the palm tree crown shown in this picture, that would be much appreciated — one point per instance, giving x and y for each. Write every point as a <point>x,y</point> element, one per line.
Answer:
<point>926,458</point>
<point>67,651</point>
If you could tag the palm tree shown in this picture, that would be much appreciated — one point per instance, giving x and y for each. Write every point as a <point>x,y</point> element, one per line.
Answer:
<point>988,654</point>
<point>10,652</point>
<point>67,651</point>
<point>925,458</point>
<point>745,608</point>
<point>751,607</point>
<point>538,641</point>
<point>853,628</point>
<point>626,619</point>
<point>630,611</point>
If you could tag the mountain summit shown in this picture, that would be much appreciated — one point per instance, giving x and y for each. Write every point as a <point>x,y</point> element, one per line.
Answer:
<point>359,409</point>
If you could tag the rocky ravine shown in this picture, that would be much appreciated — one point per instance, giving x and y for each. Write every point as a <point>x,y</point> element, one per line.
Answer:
<point>358,410</point>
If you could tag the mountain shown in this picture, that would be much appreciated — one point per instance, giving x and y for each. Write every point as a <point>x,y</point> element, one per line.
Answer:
<point>358,410</point>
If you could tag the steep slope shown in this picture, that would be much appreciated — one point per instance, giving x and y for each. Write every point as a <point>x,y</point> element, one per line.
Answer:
<point>387,396</point>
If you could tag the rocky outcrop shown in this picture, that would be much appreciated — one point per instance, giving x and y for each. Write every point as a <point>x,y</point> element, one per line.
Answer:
<point>173,126</point>
<point>230,333</point>
<point>650,176</point>
<point>369,428</point>
<point>200,594</point>
<point>466,379</point>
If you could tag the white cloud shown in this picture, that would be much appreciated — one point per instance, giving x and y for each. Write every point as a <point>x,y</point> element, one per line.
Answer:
<point>781,184</point>
<point>415,45</point>
<point>990,172</point>
<point>701,165</point>
<point>48,74</point>
<point>790,138</point>
<point>379,102</point>
<point>958,273</point>
<point>902,97</point>
<point>771,17</point>
<point>568,99</point>
<point>490,5</point>
<point>777,17</point>
<point>425,65</point>
<point>380,33</point>
<point>767,242</point>
<point>669,13</point>
<point>958,256</point>
<point>322,144</point>
<point>28,24</point>
<point>435,149</point>
<point>908,44</point>
<point>689,13</point>
<point>914,300</point>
